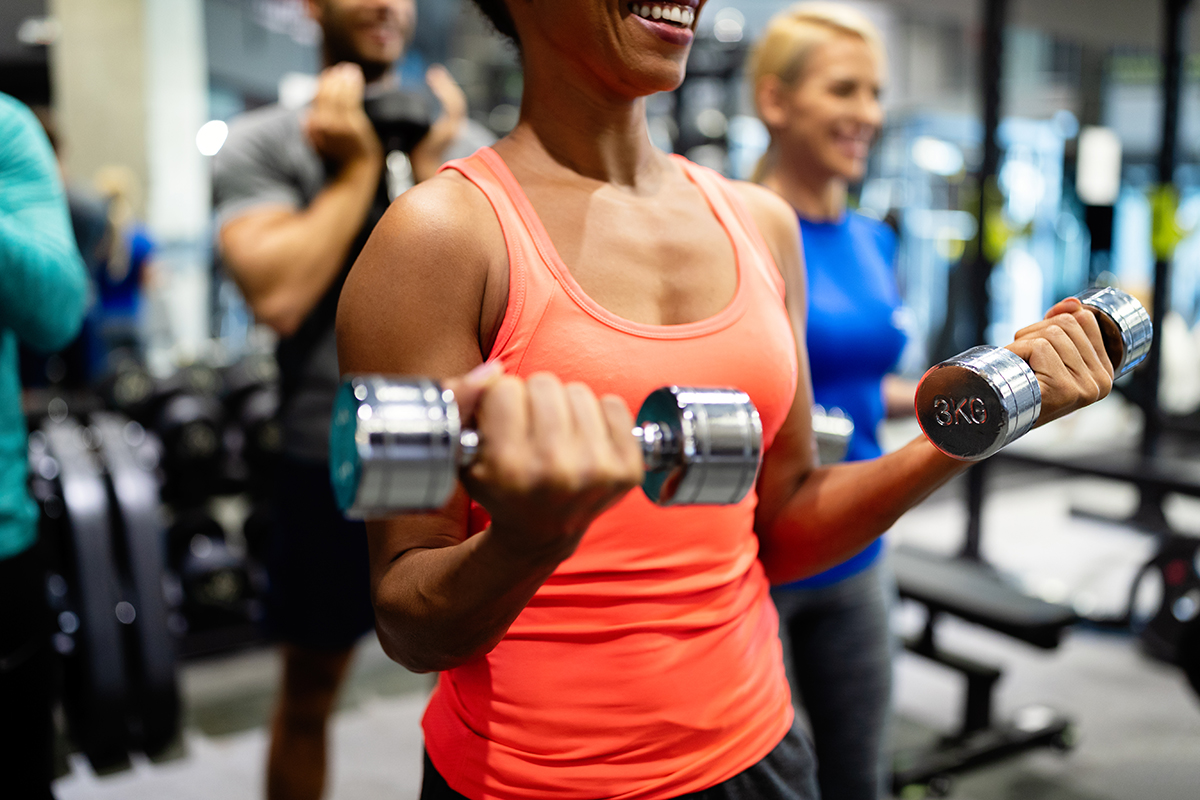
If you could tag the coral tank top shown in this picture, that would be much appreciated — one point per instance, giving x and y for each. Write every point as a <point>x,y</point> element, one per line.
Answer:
<point>648,665</point>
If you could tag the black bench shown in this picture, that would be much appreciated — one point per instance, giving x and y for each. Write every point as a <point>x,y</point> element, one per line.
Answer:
<point>972,591</point>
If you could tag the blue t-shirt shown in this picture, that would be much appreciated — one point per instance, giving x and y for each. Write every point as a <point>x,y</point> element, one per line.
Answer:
<point>854,339</point>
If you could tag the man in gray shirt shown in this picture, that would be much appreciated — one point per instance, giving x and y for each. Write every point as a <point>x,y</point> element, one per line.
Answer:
<point>297,193</point>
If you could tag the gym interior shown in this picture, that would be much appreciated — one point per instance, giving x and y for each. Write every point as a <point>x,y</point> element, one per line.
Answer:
<point>1046,615</point>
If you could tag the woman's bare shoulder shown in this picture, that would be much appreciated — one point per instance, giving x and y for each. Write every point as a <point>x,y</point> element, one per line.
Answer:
<point>772,213</point>
<point>446,211</point>
<point>417,290</point>
<point>779,227</point>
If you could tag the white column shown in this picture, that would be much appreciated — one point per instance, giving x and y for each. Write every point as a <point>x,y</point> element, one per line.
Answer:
<point>98,72</point>
<point>179,185</point>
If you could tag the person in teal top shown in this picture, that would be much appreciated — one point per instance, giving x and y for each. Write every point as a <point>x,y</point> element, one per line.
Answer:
<point>43,294</point>
<point>818,70</point>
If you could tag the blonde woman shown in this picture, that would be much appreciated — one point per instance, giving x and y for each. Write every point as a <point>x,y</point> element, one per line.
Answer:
<point>817,73</point>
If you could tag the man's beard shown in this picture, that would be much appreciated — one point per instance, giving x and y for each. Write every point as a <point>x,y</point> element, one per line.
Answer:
<point>339,46</point>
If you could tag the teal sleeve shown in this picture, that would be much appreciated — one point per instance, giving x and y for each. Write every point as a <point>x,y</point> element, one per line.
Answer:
<point>43,283</point>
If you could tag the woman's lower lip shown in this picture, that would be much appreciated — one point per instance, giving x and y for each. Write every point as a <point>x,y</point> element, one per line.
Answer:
<point>853,149</point>
<point>666,31</point>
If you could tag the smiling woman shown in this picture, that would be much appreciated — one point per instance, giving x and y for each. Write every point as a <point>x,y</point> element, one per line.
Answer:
<point>589,643</point>
<point>818,72</point>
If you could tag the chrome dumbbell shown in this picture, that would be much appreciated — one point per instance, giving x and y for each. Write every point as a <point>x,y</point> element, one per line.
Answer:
<point>397,444</point>
<point>979,401</point>
<point>833,431</point>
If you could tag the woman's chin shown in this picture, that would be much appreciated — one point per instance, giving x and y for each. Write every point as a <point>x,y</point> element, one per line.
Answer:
<point>654,75</point>
<point>848,168</point>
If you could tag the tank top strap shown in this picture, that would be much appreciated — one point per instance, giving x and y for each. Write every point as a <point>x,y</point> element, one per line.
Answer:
<point>729,207</point>
<point>527,285</point>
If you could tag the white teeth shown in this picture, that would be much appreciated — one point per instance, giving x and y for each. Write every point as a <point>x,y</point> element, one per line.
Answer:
<point>676,14</point>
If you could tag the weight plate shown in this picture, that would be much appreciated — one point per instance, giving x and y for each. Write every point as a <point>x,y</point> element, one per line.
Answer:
<point>96,688</point>
<point>151,657</point>
<point>394,445</point>
<point>715,440</point>
<point>977,402</point>
<point>1125,325</point>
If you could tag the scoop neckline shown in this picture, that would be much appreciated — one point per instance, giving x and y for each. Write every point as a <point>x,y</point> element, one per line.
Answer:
<point>562,274</point>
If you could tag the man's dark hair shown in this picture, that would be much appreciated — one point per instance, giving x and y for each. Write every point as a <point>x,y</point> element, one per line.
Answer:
<point>497,14</point>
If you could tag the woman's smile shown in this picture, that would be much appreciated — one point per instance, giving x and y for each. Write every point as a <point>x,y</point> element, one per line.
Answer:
<point>669,21</point>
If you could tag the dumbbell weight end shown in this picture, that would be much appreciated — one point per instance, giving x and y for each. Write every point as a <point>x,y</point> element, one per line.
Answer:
<point>974,404</point>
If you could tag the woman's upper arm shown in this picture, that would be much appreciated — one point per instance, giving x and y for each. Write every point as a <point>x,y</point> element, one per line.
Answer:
<point>412,305</point>
<point>412,302</point>
<point>792,455</point>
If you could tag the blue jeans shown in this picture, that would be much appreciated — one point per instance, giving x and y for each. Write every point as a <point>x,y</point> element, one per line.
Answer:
<point>838,650</point>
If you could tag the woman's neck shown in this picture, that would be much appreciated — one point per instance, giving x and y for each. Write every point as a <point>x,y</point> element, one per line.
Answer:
<point>588,130</point>
<point>816,195</point>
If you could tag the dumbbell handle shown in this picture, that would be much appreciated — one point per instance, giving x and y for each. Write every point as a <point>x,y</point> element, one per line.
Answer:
<point>656,441</point>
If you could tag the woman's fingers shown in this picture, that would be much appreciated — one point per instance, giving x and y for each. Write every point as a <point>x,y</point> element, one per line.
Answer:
<point>619,424</point>
<point>1083,325</point>
<point>551,458</point>
<point>470,387</point>
<point>1066,352</point>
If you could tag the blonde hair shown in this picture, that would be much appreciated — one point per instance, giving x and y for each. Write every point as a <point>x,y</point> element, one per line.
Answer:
<point>788,43</point>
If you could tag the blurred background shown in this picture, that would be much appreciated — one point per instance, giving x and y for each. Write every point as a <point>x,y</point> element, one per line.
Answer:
<point>1032,148</point>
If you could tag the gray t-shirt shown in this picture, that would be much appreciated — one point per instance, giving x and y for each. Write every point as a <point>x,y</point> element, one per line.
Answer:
<point>268,161</point>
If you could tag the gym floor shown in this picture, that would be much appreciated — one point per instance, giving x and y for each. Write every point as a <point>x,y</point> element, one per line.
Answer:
<point>1138,721</point>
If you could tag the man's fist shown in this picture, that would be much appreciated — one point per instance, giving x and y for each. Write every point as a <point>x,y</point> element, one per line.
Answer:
<point>337,126</point>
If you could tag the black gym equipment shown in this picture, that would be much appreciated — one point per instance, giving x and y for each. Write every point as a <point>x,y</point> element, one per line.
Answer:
<point>397,444</point>
<point>974,592</point>
<point>218,596</point>
<point>976,403</point>
<point>129,458</point>
<point>1189,653</point>
<point>1169,632</point>
<point>101,519</point>
<point>83,588</point>
<point>127,387</point>
<point>186,415</point>
<point>401,118</point>
<point>251,437</point>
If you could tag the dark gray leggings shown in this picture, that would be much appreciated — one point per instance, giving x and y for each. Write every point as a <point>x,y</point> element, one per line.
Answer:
<point>839,653</point>
<point>786,773</point>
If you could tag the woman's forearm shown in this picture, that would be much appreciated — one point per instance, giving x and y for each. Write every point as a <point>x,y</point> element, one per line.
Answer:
<point>439,608</point>
<point>836,511</point>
